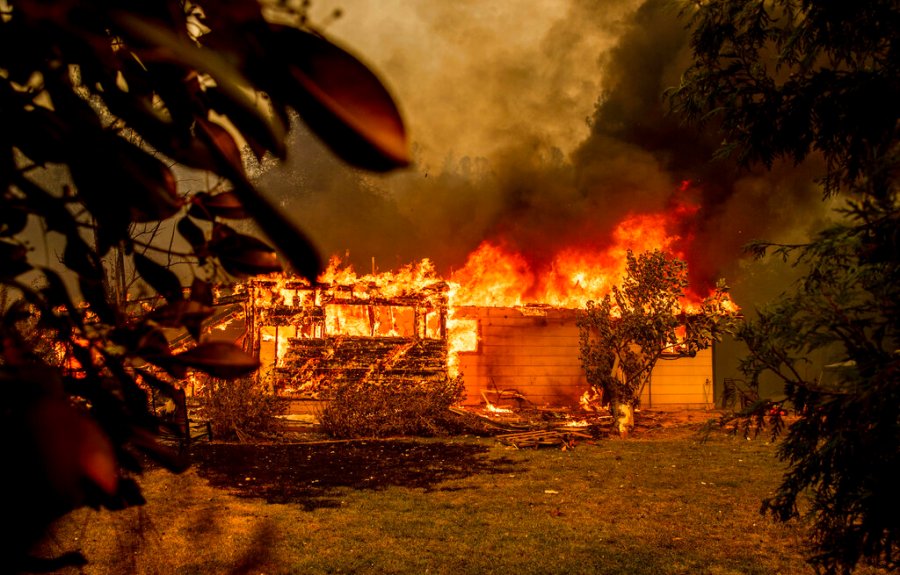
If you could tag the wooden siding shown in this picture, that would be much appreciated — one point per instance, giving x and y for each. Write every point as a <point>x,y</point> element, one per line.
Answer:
<point>535,352</point>
<point>686,381</point>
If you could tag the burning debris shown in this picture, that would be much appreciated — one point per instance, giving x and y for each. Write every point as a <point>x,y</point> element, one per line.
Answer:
<point>313,338</point>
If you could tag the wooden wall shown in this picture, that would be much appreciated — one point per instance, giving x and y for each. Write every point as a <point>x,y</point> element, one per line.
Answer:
<point>687,381</point>
<point>535,352</point>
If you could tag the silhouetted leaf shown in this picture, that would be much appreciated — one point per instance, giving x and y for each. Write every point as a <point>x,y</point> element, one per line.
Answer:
<point>150,342</point>
<point>184,313</point>
<point>158,277</point>
<point>52,209</point>
<point>57,295</point>
<point>193,234</point>
<point>93,292</point>
<point>296,247</point>
<point>40,135</point>
<point>154,195</point>
<point>77,256</point>
<point>260,135</point>
<point>73,448</point>
<point>302,255</point>
<point>12,220</point>
<point>343,102</point>
<point>225,205</point>
<point>202,292</point>
<point>243,255</point>
<point>13,260</point>
<point>127,495</point>
<point>223,145</point>
<point>218,359</point>
<point>173,140</point>
<point>168,47</point>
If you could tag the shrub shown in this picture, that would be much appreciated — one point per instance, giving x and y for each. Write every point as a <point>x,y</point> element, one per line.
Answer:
<point>368,409</point>
<point>240,409</point>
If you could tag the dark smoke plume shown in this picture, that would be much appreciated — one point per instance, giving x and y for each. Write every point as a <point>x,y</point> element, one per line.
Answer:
<point>505,151</point>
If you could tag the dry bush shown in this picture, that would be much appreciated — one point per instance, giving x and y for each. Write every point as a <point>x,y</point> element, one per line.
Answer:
<point>241,409</point>
<point>368,409</point>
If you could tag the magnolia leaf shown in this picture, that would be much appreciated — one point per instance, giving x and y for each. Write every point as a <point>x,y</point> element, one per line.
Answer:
<point>243,255</point>
<point>158,277</point>
<point>93,292</point>
<point>56,294</point>
<point>192,233</point>
<point>202,292</point>
<point>225,205</point>
<point>127,495</point>
<point>223,146</point>
<point>77,256</point>
<point>343,102</point>
<point>40,135</point>
<point>176,313</point>
<point>168,47</point>
<point>259,135</point>
<point>55,214</point>
<point>73,448</point>
<point>219,359</point>
<point>155,193</point>
<point>13,220</point>
<point>13,260</point>
<point>183,313</point>
<point>296,247</point>
<point>153,343</point>
<point>172,139</point>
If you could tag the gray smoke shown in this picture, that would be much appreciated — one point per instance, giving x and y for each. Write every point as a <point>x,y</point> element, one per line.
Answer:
<point>537,125</point>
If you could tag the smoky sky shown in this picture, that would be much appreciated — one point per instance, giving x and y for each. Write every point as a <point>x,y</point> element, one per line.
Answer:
<point>538,125</point>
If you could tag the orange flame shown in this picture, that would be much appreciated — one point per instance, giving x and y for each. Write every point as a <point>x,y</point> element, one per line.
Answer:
<point>494,276</point>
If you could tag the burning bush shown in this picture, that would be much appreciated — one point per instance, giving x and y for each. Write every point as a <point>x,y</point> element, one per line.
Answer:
<point>240,409</point>
<point>366,409</point>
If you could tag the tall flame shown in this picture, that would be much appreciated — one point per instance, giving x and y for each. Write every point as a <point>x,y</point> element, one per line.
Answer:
<point>494,276</point>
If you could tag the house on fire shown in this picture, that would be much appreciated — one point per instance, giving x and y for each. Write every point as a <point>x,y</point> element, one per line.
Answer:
<point>310,337</point>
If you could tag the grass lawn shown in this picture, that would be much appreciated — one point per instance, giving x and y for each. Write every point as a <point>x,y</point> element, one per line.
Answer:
<point>662,503</point>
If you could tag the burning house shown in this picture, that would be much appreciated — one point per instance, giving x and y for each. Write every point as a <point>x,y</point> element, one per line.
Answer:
<point>411,325</point>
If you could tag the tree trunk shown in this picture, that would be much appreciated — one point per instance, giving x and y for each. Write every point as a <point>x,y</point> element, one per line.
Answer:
<point>623,418</point>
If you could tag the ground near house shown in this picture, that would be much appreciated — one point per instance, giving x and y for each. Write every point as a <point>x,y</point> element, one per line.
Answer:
<point>662,502</point>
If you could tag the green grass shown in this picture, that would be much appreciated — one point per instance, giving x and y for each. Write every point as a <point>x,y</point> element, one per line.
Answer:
<point>664,505</point>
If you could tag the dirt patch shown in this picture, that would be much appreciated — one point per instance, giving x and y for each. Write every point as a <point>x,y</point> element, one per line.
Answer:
<point>313,474</point>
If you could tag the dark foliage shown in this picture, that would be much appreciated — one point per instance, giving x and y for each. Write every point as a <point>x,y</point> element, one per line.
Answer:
<point>789,79</point>
<point>240,409</point>
<point>99,101</point>
<point>367,409</point>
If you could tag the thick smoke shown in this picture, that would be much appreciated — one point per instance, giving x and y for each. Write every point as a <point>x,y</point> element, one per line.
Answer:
<point>539,125</point>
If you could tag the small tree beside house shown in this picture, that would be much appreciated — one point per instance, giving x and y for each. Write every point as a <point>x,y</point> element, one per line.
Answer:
<point>624,335</point>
